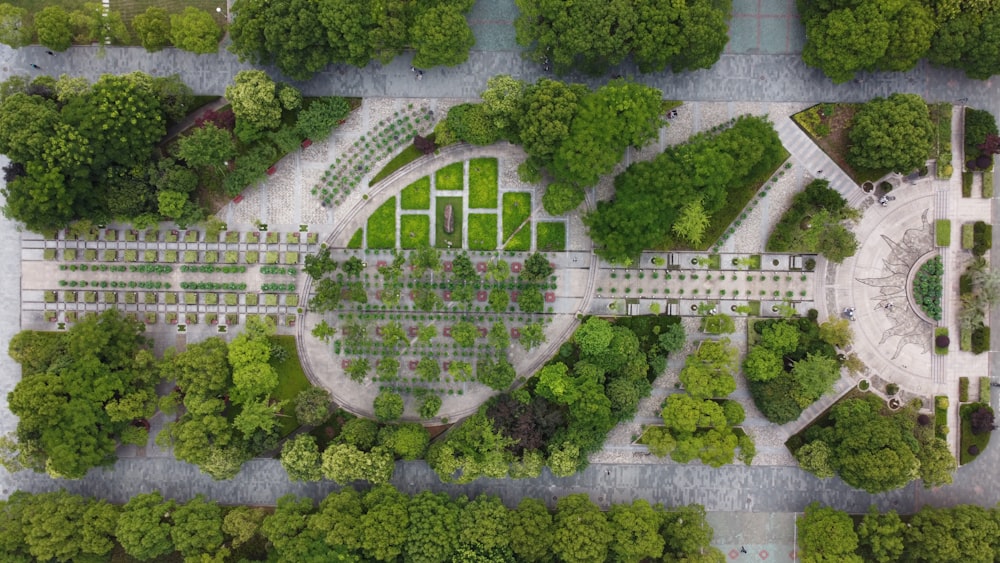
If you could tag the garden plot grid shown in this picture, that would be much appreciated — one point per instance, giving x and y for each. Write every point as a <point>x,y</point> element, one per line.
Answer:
<point>172,277</point>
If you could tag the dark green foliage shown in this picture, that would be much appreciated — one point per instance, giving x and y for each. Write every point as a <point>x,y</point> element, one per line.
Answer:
<point>594,36</point>
<point>982,237</point>
<point>967,40</point>
<point>927,287</point>
<point>810,223</point>
<point>649,196</point>
<point>978,125</point>
<point>980,339</point>
<point>388,406</point>
<point>893,133</point>
<point>319,117</point>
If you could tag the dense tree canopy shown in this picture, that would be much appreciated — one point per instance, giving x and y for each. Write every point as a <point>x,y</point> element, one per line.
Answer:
<point>595,35</point>
<point>651,196</point>
<point>302,37</point>
<point>891,133</point>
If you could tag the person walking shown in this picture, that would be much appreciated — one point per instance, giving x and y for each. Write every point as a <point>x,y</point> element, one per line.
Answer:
<point>50,53</point>
<point>36,67</point>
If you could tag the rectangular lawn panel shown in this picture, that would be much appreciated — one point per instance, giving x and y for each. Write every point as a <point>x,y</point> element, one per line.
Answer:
<point>942,232</point>
<point>291,380</point>
<point>414,231</point>
<point>357,239</point>
<point>450,177</point>
<point>382,226</point>
<point>482,231</point>
<point>483,183</point>
<point>516,210</point>
<point>417,195</point>
<point>441,238</point>
<point>551,237</point>
<point>520,242</point>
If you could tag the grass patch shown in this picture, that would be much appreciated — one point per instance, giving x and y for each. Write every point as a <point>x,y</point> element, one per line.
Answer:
<point>291,380</point>
<point>968,439</point>
<point>441,238</point>
<point>942,232</point>
<point>357,239</point>
<point>941,143</point>
<point>408,155</point>
<point>417,195</point>
<point>988,184</point>
<point>516,211</point>
<point>966,183</point>
<point>967,236</point>
<point>450,177</point>
<point>550,237</point>
<point>963,389</point>
<point>414,231</point>
<point>483,183</point>
<point>941,350</point>
<point>520,242</point>
<point>837,119</point>
<point>482,231</point>
<point>382,226</point>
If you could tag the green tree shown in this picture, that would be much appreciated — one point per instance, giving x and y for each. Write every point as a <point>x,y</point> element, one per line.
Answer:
<point>387,369</point>
<point>428,369</point>
<point>891,133</point>
<point>197,527</point>
<point>52,528</point>
<point>195,30</point>
<point>15,30</point>
<point>683,414</point>
<point>358,369</point>
<point>560,198</point>
<point>762,364</point>
<point>441,36</point>
<point>254,98</point>
<point>709,371</point>
<point>359,432</point>
<point>384,525</point>
<point>388,406</point>
<point>870,451</point>
<point>936,463</point>
<point>258,416</point>
<point>781,337</point>
<point>826,534</point>
<point>301,458</point>
<point>242,524</point>
<point>54,29</point>
<point>815,457</point>
<point>635,531</point>
<point>26,123</point>
<point>502,99</point>
<point>153,28</point>
<point>319,118</point>
<point>484,524</point>
<point>881,536</point>
<point>537,268</point>
<point>532,336</point>
<point>531,530</point>
<point>433,530</point>
<point>429,406</point>
<point>581,531</point>
<point>659,441</point>
<point>312,406</point>
<point>344,463</point>
<point>143,529</point>
<point>496,374</point>
<point>464,333</point>
<point>836,332</point>
<point>691,223</point>
<point>816,375</point>
<point>207,146</point>
<point>846,40</point>
<point>287,33</point>
<point>837,242</point>
<point>408,440</point>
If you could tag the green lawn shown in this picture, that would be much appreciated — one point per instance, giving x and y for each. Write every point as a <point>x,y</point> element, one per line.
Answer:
<point>441,239</point>
<point>482,231</point>
<point>417,195</point>
<point>551,237</point>
<point>291,380</point>
<point>408,155</point>
<point>450,177</point>
<point>517,212</point>
<point>129,9</point>
<point>382,226</point>
<point>414,231</point>
<point>483,183</point>
<point>357,239</point>
<point>942,232</point>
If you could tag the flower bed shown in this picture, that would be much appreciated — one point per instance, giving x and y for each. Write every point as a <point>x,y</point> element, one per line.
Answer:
<point>927,287</point>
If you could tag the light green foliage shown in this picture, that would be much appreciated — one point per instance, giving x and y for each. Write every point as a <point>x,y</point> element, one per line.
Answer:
<point>197,527</point>
<point>684,414</point>
<point>762,364</point>
<point>429,406</point>
<point>826,534</point>
<point>484,524</point>
<point>881,536</point>
<point>556,384</point>
<point>344,463</point>
<point>301,458</point>
<point>253,96</point>
<point>258,416</point>
<point>408,440</point>
<point>659,441</point>
<point>814,457</point>
<point>816,375</point>
<point>502,100</point>
<point>14,28</point>
<point>359,432</point>
<point>781,338</point>
<point>891,133</point>
<point>581,532</point>
<point>441,36</point>
<point>474,448</point>
<point>564,460</point>
<point>937,464</point>
<point>691,223</point>
<point>195,30</point>
<point>207,146</point>
<point>532,336</point>
<point>846,40</point>
<point>141,530</point>
<point>709,371</point>
<point>54,29</point>
<point>153,28</point>
<point>242,524</point>
<point>388,406</point>
<point>635,530</point>
<point>464,333</point>
<point>434,524</point>
<point>836,332</point>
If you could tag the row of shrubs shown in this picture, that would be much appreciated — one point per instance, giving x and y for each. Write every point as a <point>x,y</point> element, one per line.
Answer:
<point>278,271</point>
<point>115,284</point>
<point>214,286</point>
<point>281,287</point>
<point>210,269</point>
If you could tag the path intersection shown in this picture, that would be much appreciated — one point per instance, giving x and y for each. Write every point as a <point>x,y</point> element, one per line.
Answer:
<point>749,506</point>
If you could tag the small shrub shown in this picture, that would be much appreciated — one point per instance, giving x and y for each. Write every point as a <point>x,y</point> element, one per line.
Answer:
<point>963,389</point>
<point>980,339</point>
<point>967,236</point>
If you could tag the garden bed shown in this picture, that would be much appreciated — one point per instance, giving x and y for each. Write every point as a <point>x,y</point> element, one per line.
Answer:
<point>831,135</point>
<point>483,183</point>
<point>382,226</point>
<point>291,381</point>
<point>414,231</point>
<point>482,231</point>
<point>968,439</point>
<point>416,196</point>
<point>442,239</point>
<point>450,177</point>
<point>550,236</point>
<point>942,232</point>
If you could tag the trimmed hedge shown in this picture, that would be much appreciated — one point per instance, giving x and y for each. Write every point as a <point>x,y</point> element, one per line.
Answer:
<point>963,389</point>
<point>984,389</point>
<point>982,238</point>
<point>966,184</point>
<point>927,287</point>
<point>980,339</point>
<point>987,184</point>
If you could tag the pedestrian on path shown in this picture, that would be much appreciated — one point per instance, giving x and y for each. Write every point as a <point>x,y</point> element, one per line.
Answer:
<point>743,549</point>
<point>50,53</point>
<point>36,67</point>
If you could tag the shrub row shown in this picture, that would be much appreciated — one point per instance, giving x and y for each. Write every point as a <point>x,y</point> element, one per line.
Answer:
<point>980,339</point>
<point>214,286</point>
<point>982,237</point>
<point>963,389</point>
<point>210,269</point>
<point>95,268</point>
<point>927,287</point>
<point>278,271</point>
<point>116,284</point>
<point>281,287</point>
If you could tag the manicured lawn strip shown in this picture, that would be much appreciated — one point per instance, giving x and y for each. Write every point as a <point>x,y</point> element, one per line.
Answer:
<point>968,438</point>
<point>967,236</point>
<point>357,239</point>
<point>414,231</point>
<point>519,242</point>
<point>382,226</point>
<point>417,195</point>
<point>408,155</point>
<point>836,143</point>
<point>450,177</point>
<point>966,183</point>
<point>551,236</point>
<point>441,238</point>
<point>516,210</point>
<point>738,198</point>
<point>482,231</point>
<point>942,232</point>
<point>483,183</point>
<point>988,184</point>
<point>291,380</point>
<point>941,147</point>
<point>940,415</point>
